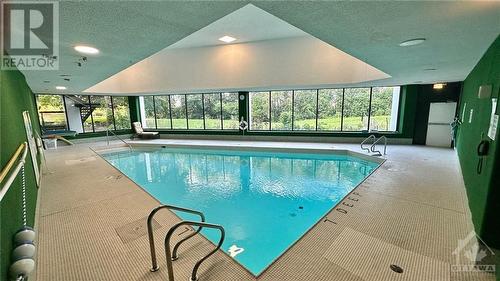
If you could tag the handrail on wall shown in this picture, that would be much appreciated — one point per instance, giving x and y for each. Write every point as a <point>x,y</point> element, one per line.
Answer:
<point>23,148</point>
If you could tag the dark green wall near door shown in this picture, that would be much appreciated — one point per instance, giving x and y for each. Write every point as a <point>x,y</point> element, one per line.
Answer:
<point>15,97</point>
<point>482,189</point>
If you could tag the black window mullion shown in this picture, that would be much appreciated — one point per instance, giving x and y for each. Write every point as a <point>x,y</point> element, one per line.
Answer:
<point>113,112</point>
<point>221,119</point>
<point>203,110</point>
<point>186,110</point>
<point>65,111</point>
<point>91,114</point>
<point>370,109</point>
<point>170,113</point>
<point>342,111</point>
<point>269,111</point>
<point>293,108</point>
<point>154,112</point>
<point>317,107</point>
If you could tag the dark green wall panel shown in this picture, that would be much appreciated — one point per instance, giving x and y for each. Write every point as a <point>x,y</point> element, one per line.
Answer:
<point>482,189</point>
<point>15,97</point>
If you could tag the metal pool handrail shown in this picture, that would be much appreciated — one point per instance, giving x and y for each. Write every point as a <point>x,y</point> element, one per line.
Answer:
<point>366,140</point>
<point>197,265</point>
<point>116,136</point>
<point>154,263</point>
<point>372,148</point>
<point>23,148</point>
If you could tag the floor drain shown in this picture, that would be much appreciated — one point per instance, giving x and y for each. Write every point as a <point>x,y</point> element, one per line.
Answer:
<point>396,268</point>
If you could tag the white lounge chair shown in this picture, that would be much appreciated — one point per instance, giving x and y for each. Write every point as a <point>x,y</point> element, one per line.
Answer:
<point>139,132</point>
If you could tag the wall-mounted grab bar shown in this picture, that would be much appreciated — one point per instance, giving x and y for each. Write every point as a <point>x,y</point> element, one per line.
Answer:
<point>23,148</point>
<point>154,263</point>
<point>197,265</point>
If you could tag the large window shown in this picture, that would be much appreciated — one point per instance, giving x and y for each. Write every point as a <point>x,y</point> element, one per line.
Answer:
<point>83,114</point>
<point>230,111</point>
<point>214,111</point>
<point>356,108</point>
<point>260,111</point>
<point>281,110</point>
<point>195,111</point>
<point>304,109</point>
<point>212,103</point>
<point>162,112</point>
<point>384,108</point>
<point>345,109</point>
<point>51,112</point>
<point>178,107</point>
<point>330,109</point>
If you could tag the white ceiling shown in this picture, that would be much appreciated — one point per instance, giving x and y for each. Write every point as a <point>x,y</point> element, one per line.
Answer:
<point>248,24</point>
<point>268,54</point>
<point>458,33</point>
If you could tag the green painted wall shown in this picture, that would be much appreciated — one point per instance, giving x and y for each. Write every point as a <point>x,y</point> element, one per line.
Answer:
<point>482,189</point>
<point>15,97</point>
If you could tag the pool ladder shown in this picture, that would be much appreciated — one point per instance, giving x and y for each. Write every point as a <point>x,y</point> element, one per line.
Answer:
<point>373,144</point>
<point>171,255</point>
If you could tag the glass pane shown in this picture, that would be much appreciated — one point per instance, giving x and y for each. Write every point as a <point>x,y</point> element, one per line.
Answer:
<point>51,112</point>
<point>281,110</point>
<point>356,104</point>
<point>101,113</point>
<point>178,106</point>
<point>329,109</point>
<point>230,111</point>
<point>83,102</point>
<point>384,109</point>
<point>121,113</point>
<point>304,110</point>
<point>259,110</point>
<point>195,111</point>
<point>148,115</point>
<point>212,111</point>
<point>162,112</point>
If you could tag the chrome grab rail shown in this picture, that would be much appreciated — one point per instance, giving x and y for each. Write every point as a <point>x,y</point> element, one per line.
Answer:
<point>372,148</point>
<point>366,140</point>
<point>197,265</point>
<point>23,148</point>
<point>154,263</point>
<point>107,138</point>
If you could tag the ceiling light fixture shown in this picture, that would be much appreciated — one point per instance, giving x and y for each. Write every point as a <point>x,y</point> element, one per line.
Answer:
<point>412,42</point>
<point>227,39</point>
<point>438,86</point>
<point>60,87</point>
<point>86,50</point>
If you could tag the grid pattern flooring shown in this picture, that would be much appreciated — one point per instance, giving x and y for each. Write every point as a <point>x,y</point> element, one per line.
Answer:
<point>415,203</point>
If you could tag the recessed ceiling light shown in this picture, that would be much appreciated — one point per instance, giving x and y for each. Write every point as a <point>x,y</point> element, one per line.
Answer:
<point>86,50</point>
<point>227,39</point>
<point>438,86</point>
<point>60,87</point>
<point>412,42</point>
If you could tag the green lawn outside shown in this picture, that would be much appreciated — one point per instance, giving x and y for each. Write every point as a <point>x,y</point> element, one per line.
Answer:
<point>380,123</point>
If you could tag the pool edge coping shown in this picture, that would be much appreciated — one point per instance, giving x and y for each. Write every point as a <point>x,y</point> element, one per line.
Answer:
<point>379,160</point>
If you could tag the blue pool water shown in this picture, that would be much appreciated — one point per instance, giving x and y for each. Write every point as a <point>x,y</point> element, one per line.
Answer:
<point>265,200</point>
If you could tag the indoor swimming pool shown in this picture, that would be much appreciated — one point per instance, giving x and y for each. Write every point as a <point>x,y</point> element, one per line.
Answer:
<point>265,200</point>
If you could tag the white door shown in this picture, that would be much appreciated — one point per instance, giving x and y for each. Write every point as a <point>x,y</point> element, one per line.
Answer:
<point>441,114</point>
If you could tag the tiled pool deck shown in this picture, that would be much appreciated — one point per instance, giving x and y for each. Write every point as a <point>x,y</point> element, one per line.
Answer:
<point>411,212</point>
